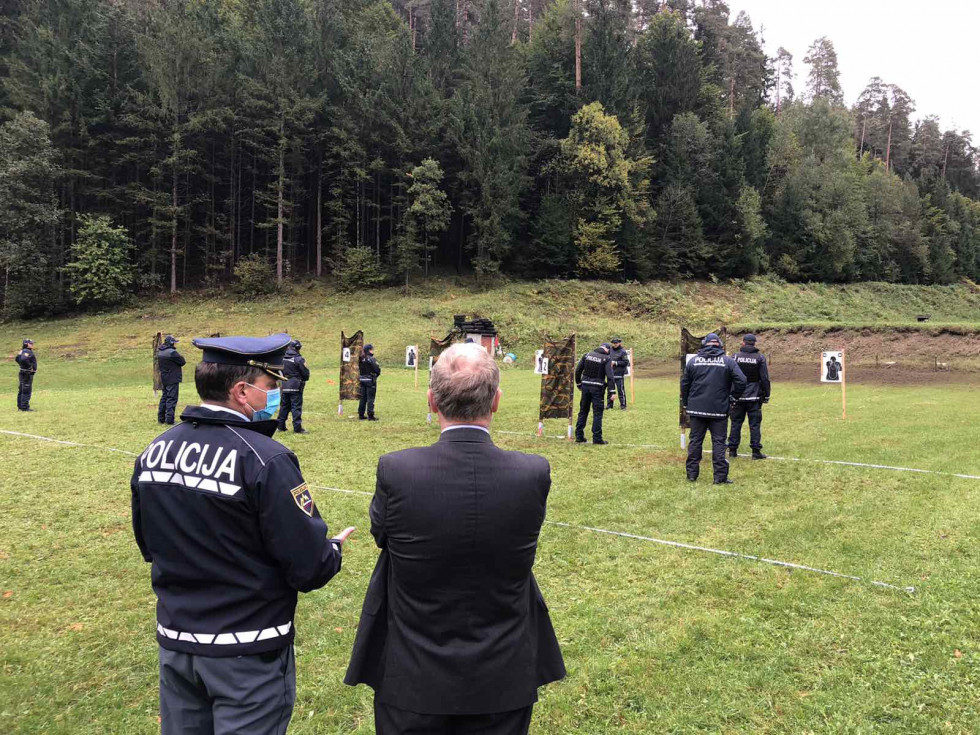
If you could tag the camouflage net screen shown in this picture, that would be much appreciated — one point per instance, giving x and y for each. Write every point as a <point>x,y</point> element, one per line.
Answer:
<point>350,370</point>
<point>558,386</point>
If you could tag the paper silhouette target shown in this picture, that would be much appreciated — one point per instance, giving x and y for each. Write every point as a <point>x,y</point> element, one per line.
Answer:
<point>832,367</point>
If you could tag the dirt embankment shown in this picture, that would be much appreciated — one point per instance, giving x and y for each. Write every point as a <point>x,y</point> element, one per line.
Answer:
<point>885,355</point>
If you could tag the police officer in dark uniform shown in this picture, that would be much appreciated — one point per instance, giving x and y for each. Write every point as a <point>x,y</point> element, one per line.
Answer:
<point>171,375</point>
<point>27,362</point>
<point>297,374</point>
<point>369,372</point>
<point>753,364</point>
<point>223,514</point>
<point>620,358</point>
<point>592,374</point>
<point>712,382</point>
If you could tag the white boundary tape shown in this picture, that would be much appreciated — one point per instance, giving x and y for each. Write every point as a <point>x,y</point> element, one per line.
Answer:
<point>732,554</point>
<point>842,463</point>
<point>876,467</point>
<point>621,534</point>
<point>68,444</point>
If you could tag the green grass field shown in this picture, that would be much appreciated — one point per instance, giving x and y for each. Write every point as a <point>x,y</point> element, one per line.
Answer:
<point>656,639</point>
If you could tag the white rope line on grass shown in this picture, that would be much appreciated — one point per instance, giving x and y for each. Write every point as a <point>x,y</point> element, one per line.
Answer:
<point>67,443</point>
<point>561,524</point>
<point>876,467</point>
<point>732,554</point>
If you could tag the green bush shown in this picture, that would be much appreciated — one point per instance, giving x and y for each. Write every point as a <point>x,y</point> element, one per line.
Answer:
<point>100,272</point>
<point>359,269</point>
<point>254,276</point>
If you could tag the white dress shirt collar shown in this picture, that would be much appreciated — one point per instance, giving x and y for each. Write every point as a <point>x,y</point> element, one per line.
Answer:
<point>213,407</point>
<point>465,426</point>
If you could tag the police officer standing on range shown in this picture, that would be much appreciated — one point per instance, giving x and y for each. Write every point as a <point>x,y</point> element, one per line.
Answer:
<point>592,374</point>
<point>223,514</point>
<point>297,374</point>
<point>753,364</point>
<point>171,375</point>
<point>369,372</point>
<point>27,362</point>
<point>712,382</point>
<point>620,364</point>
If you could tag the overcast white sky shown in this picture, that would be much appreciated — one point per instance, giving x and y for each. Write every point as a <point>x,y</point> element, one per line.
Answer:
<point>930,49</point>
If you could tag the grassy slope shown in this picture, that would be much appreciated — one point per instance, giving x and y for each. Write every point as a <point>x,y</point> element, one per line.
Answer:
<point>647,317</point>
<point>656,639</point>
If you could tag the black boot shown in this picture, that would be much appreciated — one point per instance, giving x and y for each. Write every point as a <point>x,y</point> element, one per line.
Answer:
<point>757,454</point>
<point>599,441</point>
<point>692,478</point>
<point>298,429</point>
<point>733,451</point>
<point>609,405</point>
<point>372,418</point>
<point>726,481</point>
<point>580,440</point>
<point>281,426</point>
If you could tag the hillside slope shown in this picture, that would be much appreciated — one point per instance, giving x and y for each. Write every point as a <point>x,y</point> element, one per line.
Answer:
<point>646,316</point>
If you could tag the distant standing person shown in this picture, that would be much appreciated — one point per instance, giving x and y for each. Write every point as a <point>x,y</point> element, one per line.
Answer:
<point>171,375</point>
<point>370,370</point>
<point>592,375</point>
<point>753,363</point>
<point>620,357</point>
<point>297,374</point>
<point>712,382</point>
<point>27,362</point>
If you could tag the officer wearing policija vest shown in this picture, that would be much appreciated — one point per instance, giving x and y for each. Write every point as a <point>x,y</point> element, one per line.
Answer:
<point>753,364</point>
<point>592,374</point>
<point>223,514</point>
<point>712,382</point>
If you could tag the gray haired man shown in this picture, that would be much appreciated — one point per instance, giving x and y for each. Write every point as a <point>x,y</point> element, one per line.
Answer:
<point>454,634</point>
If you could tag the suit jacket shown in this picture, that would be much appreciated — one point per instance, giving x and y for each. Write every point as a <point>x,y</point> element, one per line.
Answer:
<point>453,621</point>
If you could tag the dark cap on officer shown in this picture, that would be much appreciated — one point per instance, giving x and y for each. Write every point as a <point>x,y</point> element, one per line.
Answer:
<point>265,353</point>
<point>616,341</point>
<point>606,346</point>
<point>712,339</point>
<point>170,340</point>
<point>28,343</point>
<point>297,345</point>
<point>749,339</point>
<point>369,348</point>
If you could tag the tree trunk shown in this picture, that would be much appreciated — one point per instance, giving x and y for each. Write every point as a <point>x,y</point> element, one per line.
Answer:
<point>173,224</point>
<point>578,47</point>
<point>888,148</point>
<point>864,128</point>
<point>945,160</point>
<point>517,16</point>
<point>319,220</point>
<point>279,211</point>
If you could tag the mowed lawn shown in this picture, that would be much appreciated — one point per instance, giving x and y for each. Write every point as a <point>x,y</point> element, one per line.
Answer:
<point>656,639</point>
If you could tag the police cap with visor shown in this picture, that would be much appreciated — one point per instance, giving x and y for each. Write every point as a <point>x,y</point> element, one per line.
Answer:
<point>265,353</point>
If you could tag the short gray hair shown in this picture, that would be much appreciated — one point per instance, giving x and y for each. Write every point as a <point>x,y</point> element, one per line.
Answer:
<point>464,382</point>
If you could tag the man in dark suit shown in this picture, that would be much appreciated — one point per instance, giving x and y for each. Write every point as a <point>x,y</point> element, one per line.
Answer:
<point>454,635</point>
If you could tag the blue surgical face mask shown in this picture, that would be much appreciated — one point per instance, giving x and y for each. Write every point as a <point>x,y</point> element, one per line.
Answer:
<point>271,404</point>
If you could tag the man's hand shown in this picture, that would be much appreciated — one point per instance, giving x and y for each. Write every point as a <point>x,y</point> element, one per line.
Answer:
<point>341,537</point>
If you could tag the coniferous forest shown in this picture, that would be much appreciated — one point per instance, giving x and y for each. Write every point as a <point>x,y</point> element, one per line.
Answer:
<point>158,145</point>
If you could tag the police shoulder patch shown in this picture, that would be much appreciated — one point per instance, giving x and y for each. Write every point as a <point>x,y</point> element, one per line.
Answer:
<point>303,499</point>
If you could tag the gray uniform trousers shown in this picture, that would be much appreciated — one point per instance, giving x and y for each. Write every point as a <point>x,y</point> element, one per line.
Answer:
<point>244,695</point>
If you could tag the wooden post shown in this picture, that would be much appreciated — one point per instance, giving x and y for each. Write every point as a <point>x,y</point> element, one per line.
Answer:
<point>843,385</point>
<point>632,386</point>
<point>416,369</point>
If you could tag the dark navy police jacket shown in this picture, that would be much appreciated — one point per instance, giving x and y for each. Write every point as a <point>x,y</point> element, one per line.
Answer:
<point>295,370</point>
<point>223,514</point>
<point>369,369</point>
<point>27,361</point>
<point>753,364</point>
<point>170,362</point>
<point>711,380</point>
